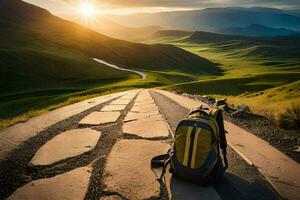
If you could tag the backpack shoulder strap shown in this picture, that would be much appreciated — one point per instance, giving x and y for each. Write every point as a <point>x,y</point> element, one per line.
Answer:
<point>218,116</point>
<point>161,161</point>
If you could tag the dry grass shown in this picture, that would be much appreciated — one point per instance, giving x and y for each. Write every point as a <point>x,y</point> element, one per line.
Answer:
<point>290,118</point>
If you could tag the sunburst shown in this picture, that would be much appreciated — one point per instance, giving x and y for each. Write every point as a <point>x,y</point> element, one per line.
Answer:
<point>87,9</point>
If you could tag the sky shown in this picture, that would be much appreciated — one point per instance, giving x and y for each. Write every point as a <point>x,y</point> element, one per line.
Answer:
<point>66,7</point>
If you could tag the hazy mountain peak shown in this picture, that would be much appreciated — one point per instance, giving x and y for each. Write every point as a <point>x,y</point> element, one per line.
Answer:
<point>214,19</point>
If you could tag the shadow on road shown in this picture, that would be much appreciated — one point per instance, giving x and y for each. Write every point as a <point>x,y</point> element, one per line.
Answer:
<point>231,187</point>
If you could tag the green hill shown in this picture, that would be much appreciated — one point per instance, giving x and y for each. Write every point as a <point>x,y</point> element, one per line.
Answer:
<point>171,34</point>
<point>45,60</point>
<point>252,67</point>
<point>40,26</point>
<point>287,47</point>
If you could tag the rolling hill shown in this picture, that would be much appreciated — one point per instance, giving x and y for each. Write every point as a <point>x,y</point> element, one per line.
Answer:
<point>262,72</point>
<point>169,34</point>
<point>259,30</point>
<point>259,47</point>
<point>40,24</point>
<point>45,60</point>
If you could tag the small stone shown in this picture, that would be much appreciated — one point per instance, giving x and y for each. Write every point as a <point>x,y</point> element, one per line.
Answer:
<point>220,102</point>
<point>211,102</point>
<point>239,113</point>
<point>243,107</point>
<point>297,149</point>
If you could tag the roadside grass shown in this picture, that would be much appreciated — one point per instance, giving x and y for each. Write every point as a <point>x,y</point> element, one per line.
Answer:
<point>270,101</point>
<point>290,117</point>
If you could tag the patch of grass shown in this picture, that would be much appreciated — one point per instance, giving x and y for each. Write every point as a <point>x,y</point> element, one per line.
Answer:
<point>270,101</point>
<point>290,118</point>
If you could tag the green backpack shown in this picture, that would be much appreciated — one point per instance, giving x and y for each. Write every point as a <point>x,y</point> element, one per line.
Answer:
<point>195,154</point>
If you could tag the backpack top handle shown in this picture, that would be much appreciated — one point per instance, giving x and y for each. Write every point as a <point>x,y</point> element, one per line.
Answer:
<point>200,110</point>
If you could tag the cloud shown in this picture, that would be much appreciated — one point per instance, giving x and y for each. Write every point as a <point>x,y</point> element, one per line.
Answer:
<point>198,3</point>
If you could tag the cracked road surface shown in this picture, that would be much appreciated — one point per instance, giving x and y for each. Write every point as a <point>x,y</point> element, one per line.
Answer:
<point>112,160</point>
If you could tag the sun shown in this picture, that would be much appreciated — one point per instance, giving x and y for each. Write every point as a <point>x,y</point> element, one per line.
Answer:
<point>87,9</point>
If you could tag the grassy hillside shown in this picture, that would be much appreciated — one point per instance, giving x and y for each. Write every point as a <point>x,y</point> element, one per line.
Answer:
<point>268,98</point>
<point>276,47</point>
<point>46,60</point>
<point>255,69</point>
<point>237,86</point>
<point>37,23</point>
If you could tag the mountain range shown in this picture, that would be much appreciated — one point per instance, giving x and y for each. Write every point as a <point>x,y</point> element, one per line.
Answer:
<point>214,19</point>
<point>260,31</point>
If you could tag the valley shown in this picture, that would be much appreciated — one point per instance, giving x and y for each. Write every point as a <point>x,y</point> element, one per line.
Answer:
<point>260,72</point>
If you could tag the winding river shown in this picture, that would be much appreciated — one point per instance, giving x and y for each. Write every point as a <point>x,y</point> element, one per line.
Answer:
<point>141,74</point>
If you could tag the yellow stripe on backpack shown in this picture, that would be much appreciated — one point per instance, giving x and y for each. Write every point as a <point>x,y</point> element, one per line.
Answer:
<point>195,147</point>
<point>201,148</point>
<point>187,146</point>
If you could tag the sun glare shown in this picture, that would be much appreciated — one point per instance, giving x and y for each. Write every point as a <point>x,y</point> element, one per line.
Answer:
<point>87,9</point>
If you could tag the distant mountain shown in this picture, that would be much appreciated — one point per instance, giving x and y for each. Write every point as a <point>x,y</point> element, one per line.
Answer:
<point>214,19</point>
<point>258,47</point>
<point>115,30</point>
<point>259,30</point>
<point>295,12</point>
<point>39,50</point>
